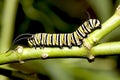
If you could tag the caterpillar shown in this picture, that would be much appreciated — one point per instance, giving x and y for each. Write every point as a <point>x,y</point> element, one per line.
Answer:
<point>64,39</point>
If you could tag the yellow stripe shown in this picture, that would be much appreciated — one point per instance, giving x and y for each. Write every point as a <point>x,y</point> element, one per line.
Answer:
<point>61,39</point>
<point>54,39</point>
<point>87,26</point>
<point>64,39</point>
<point>82,32</point>
<point>76,38</point>
<point>69,39</point>
<point>44,38</point>
<point>38,38</point>
<point>29,43</point>
<point>48,39</point>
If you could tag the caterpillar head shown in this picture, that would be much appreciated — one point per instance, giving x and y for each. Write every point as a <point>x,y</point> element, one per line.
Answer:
<point>19,38</point>
<point>96,23</point>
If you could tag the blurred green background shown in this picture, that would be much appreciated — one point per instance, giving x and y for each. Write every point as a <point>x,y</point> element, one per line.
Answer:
<point>56,16</point>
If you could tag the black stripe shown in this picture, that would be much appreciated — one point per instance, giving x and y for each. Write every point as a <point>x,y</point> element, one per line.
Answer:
<point>85,28</point>
<point>79,33</point>
<point>51,39</point>
<point>40,39</point>
<point>74,38</point>
<point>59,38</point>
<point>36,41</point>
<point>95,22</point>
<point>46,41</point>
<point>92,27</point>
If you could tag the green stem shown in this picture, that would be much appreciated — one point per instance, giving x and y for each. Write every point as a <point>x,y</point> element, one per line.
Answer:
<point>21,53</point>
<point>76,52</point>
<point>8,21</point>
<point>110,48</point>
<point>107,27</point>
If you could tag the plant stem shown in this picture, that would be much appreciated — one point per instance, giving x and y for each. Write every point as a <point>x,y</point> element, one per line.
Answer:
<point>107,27</point>
<point>110,48</point>
<point>8,21</point>
<point>21,53</point>
<point>76,52</point>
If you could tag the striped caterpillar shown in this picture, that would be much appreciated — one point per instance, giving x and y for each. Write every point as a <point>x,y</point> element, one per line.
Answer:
<point>64,39</point>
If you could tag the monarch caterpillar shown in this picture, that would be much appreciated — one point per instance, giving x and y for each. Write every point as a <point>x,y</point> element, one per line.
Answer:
<point>64,39</point>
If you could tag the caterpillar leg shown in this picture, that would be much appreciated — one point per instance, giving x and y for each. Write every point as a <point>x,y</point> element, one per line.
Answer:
<point>35,46</point>
<point>80,43</point>
<point>40,46</point>
<point>43,46</point>
<point>70,46</point>
<point>61,46</point>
